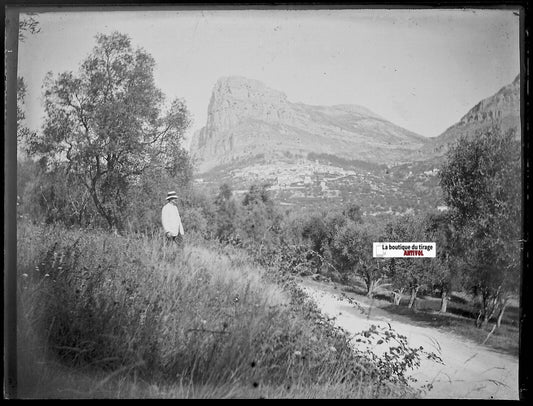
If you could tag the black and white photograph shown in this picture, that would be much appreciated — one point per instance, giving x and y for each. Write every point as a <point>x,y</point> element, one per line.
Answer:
<point>265,202</point>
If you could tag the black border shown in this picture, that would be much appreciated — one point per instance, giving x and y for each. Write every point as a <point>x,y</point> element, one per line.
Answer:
<point>10,14</point>
<point>11,19</point>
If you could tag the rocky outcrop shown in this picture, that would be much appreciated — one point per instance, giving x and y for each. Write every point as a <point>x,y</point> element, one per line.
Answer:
<point>502,109</point>
<point>246,119</point>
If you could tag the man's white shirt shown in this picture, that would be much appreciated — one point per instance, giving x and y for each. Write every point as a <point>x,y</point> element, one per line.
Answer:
<point>171,220</point>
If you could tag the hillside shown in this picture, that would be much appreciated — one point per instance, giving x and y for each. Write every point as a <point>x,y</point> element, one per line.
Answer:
<point>502,108</point>
<point>246,119</point>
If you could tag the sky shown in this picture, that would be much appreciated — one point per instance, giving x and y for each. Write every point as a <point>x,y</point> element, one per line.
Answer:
<point>421,69</point>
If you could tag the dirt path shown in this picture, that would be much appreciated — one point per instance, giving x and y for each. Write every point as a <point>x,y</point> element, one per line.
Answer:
<point>470,370</point>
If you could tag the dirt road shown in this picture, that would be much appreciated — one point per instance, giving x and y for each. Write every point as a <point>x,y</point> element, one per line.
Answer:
<point>470,370</point>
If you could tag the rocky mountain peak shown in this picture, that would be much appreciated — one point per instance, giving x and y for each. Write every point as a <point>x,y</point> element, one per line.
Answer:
<point>504,103</point>
<point>502,109</point>
<point>236,99</point>
<point>246,120</point>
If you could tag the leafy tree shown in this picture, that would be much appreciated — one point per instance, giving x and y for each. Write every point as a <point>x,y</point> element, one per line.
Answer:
<point>226,215</point>
<point>481,183</point>
<point>108,124</point>
<point>352,249</point>
<point>224,194</point>
<point>315,233</point>
<point>408,273</point>
<point>28,25</point>
<point>443,270</point>
<point>259,221</point>
<point>257,194</point>
<point>353,212</point>
<point>334,221</point>
<point>23,132</point>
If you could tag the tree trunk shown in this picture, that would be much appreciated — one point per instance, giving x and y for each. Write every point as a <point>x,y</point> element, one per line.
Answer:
<point>483,317</point>
<point>500,314</point>
<point>99,206</point>
<point>397,297</point>
<point>370,287</point>
<point>444,301</point>
<point>412,300</point>
<point>485,321</point>
<point>478,322</point>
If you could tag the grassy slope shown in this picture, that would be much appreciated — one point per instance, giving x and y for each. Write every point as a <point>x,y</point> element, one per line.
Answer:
<point>109,316</point>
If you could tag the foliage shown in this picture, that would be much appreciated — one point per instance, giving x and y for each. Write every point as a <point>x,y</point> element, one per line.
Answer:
<point>318,230</point>
<point>23,132</point>
<point>28,25</point>
<point>481,184</point>
<point>443,271</point>
<point>397,358</point>
<point>52,196</point>
<point>352,211</point>
<point>408,273</point>
<point>259,221</point>
<point>107,127</point>
<point>226,209</point>
<point>353,253</point>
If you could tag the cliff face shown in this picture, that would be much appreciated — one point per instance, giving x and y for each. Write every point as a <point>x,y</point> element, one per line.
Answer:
<point>503,108</point>
<point>246,119</point>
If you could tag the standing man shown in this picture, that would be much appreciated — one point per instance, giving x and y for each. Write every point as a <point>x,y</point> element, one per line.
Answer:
<point>171,220</point>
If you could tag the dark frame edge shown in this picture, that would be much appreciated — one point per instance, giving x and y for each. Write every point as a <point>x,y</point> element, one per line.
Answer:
<point>525,114</point>
<point>10,210</point>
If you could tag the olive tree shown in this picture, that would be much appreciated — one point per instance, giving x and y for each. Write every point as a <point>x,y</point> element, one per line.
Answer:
<point>409,273</point>
<point>108,123</point>
<point>481,180</point>
<point>352,249</point>
<point>444,269</point>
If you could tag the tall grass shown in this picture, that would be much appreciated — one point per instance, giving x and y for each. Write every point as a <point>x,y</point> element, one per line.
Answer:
<point>196,321</point>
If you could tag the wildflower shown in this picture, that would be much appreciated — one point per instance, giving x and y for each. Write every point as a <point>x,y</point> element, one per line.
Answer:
<point>332,349</point>
<point>204,321</point>
<point>24,275</point>
<point>298,353</point>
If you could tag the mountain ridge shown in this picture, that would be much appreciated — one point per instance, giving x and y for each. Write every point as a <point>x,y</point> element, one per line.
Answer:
<point>245,117</point>
<point>502,108</point>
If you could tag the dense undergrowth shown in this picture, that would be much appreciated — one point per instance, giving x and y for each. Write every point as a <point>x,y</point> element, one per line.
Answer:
<point>130,309</point>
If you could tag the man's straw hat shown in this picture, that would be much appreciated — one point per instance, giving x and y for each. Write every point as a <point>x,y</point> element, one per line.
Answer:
<point>171,195</point>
